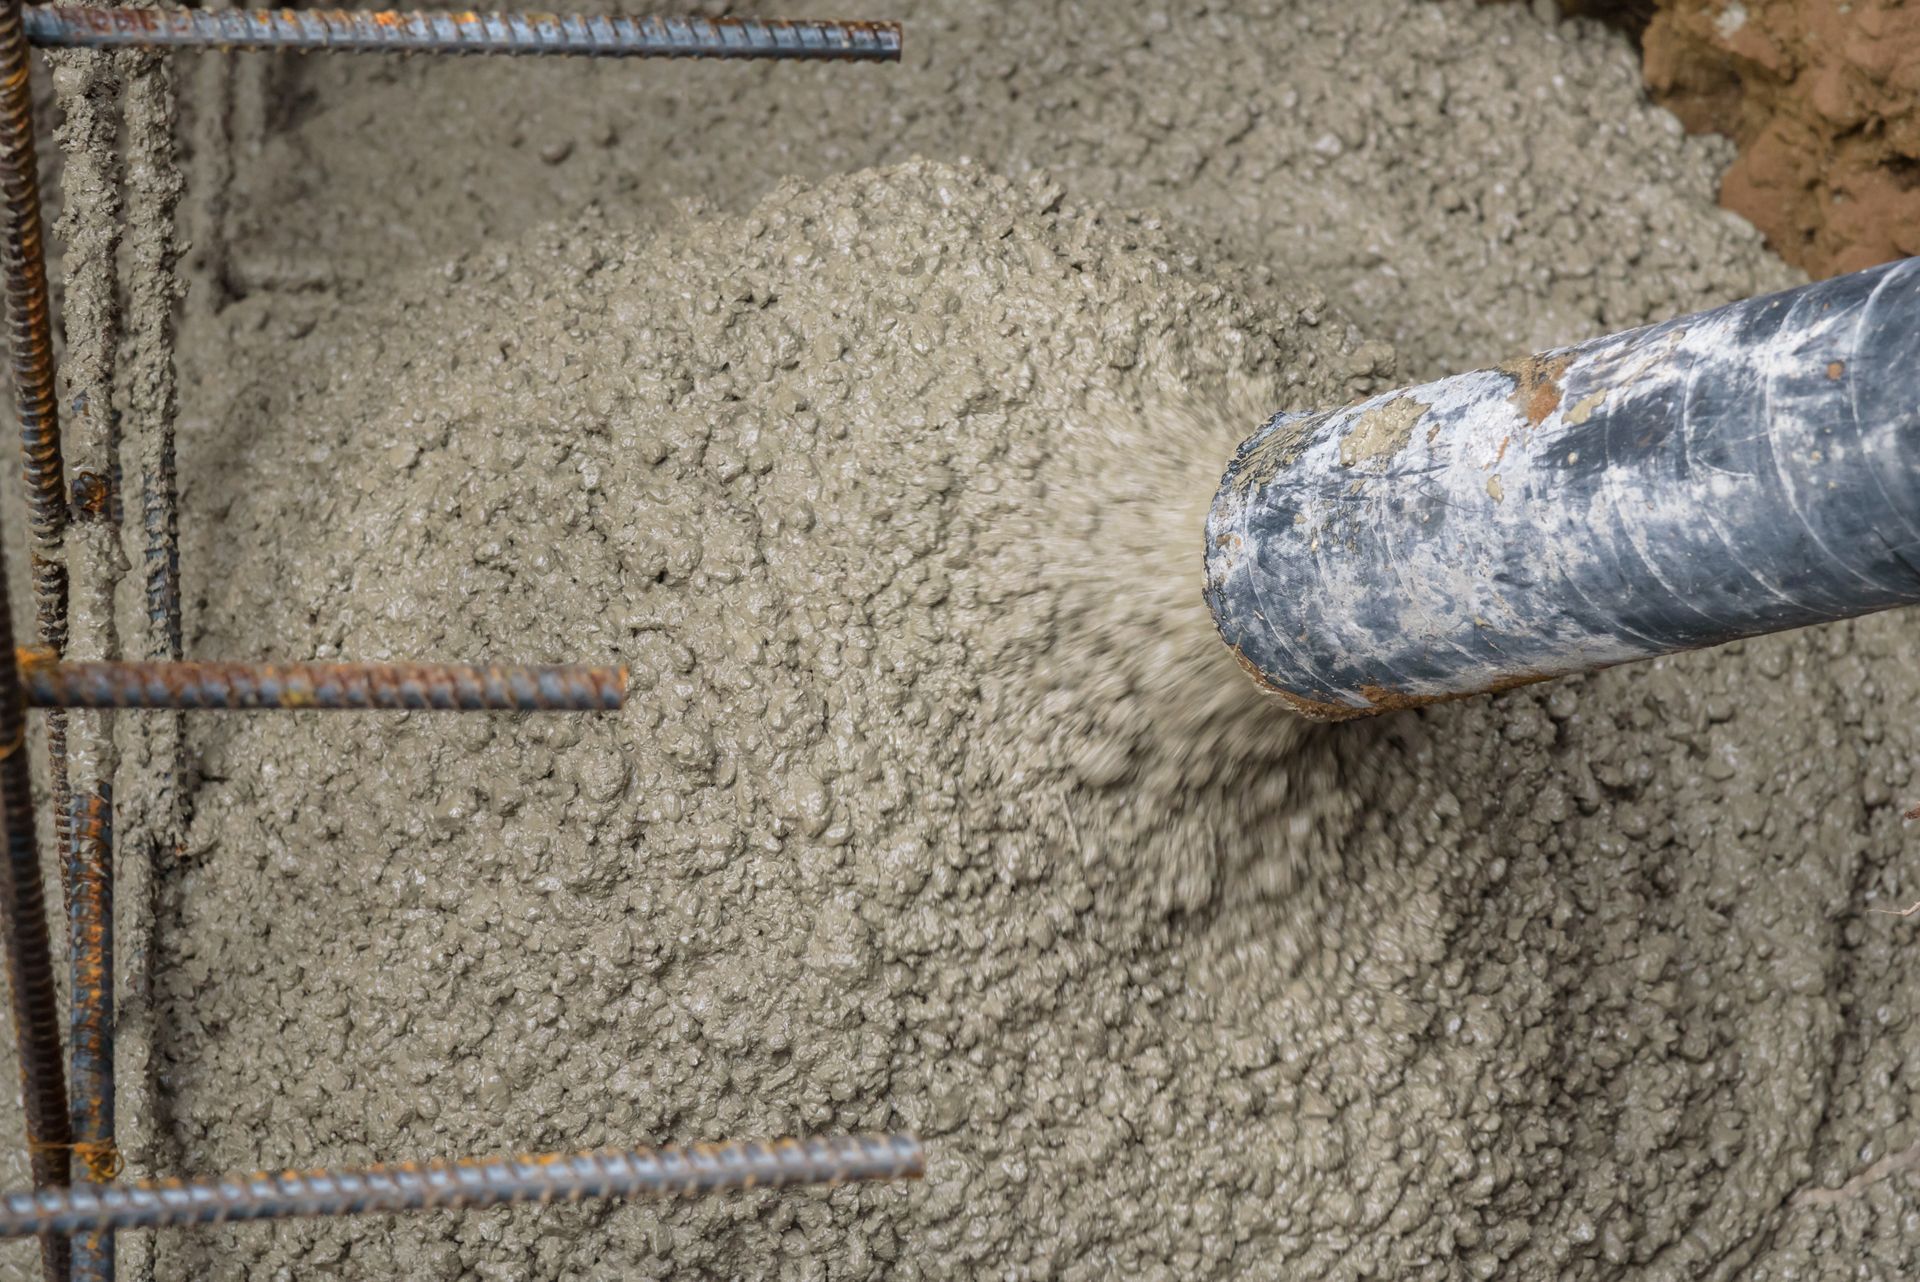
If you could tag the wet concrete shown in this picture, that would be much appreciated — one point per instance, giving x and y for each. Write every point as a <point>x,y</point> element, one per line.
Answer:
<point>935,804</point>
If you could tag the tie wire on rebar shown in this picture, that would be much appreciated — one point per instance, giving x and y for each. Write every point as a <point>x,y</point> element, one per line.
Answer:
<point>513,34</point>
<point>463,1184</point>
<point>84,826</point>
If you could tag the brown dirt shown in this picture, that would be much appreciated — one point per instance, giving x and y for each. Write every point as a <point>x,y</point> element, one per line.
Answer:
<point>1823,97</point>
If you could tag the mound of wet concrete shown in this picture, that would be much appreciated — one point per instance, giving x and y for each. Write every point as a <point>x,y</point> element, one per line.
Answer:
<point>937,805</point>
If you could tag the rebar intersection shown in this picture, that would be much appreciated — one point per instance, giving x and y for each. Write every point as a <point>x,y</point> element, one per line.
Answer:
<point>58,1129</point>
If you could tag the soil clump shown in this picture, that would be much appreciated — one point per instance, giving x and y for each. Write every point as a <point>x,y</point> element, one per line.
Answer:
<point>1824,100</point>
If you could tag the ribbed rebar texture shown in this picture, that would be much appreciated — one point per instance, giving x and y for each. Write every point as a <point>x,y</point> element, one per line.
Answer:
<point>151,812</point>
<point>520,34</point>
<point>671,1171</point>
<point>29,311</point>
<point>90,945</point>
<point>154,289</point>
<point>30,347</point>
<point>23,909</point>
<point>237,687</point>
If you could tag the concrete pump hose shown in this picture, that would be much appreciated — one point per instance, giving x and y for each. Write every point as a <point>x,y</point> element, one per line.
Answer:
<point>1732,473</point>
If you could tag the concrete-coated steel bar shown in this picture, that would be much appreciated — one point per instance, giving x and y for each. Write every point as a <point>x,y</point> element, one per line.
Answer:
<point>671,1171</point>
<point>29,307</point>
<point>521,34</point>
<point>23,908</point>
<point>90,1019</point>
<point>23,261</point>
<point>23,911</point>
<point>346,687</point>
<point>1737,472</point>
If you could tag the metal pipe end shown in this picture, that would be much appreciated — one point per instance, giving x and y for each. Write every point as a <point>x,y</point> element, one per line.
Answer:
<point>1258,586</point>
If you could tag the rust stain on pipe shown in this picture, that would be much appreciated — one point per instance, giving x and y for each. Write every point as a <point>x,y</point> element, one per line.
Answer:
<point>1536,385</point>
<point>1379,698</point>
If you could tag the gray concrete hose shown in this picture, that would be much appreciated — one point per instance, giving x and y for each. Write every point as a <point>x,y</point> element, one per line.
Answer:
<point>1737,472</point>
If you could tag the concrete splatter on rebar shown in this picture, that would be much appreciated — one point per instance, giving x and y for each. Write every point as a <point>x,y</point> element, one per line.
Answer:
<point>517,34</point>
<point>104,681</point>
<point>22,901</point>
<point>90,1020</point>
<point>344,687</point>
<point>671,1171</point>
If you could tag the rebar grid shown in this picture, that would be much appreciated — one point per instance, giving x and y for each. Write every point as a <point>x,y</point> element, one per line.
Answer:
<point>325,687</point>
<point>95,1209</point>
<point>463,1184</point>
<point>513,34</point>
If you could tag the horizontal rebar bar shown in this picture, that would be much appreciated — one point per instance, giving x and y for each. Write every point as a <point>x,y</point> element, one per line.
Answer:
<point>246,687</point>
<point>670,1171</point>
<point>354,31</point>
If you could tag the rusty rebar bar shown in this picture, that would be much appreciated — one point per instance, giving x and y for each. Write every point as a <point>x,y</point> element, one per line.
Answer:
<point>23,909</point>
<point>90,1017</point>
<point>519,34</point>
<point>465,1184</point>
<point>29,309</point>
<point>30,347</point>
<point>242,687</point>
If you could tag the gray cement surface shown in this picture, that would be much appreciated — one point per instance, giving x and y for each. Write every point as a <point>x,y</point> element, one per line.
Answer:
<point>934,804</point>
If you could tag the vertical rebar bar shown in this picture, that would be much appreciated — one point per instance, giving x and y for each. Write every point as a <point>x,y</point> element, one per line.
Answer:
<point>87,86</point>
<point>90,1019</point>
<point>88,91</point>
<point>154,287</point>
<point>30,342</point>
<point>152,837</point>
<point>29,308</point>
<point>22,895</point>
